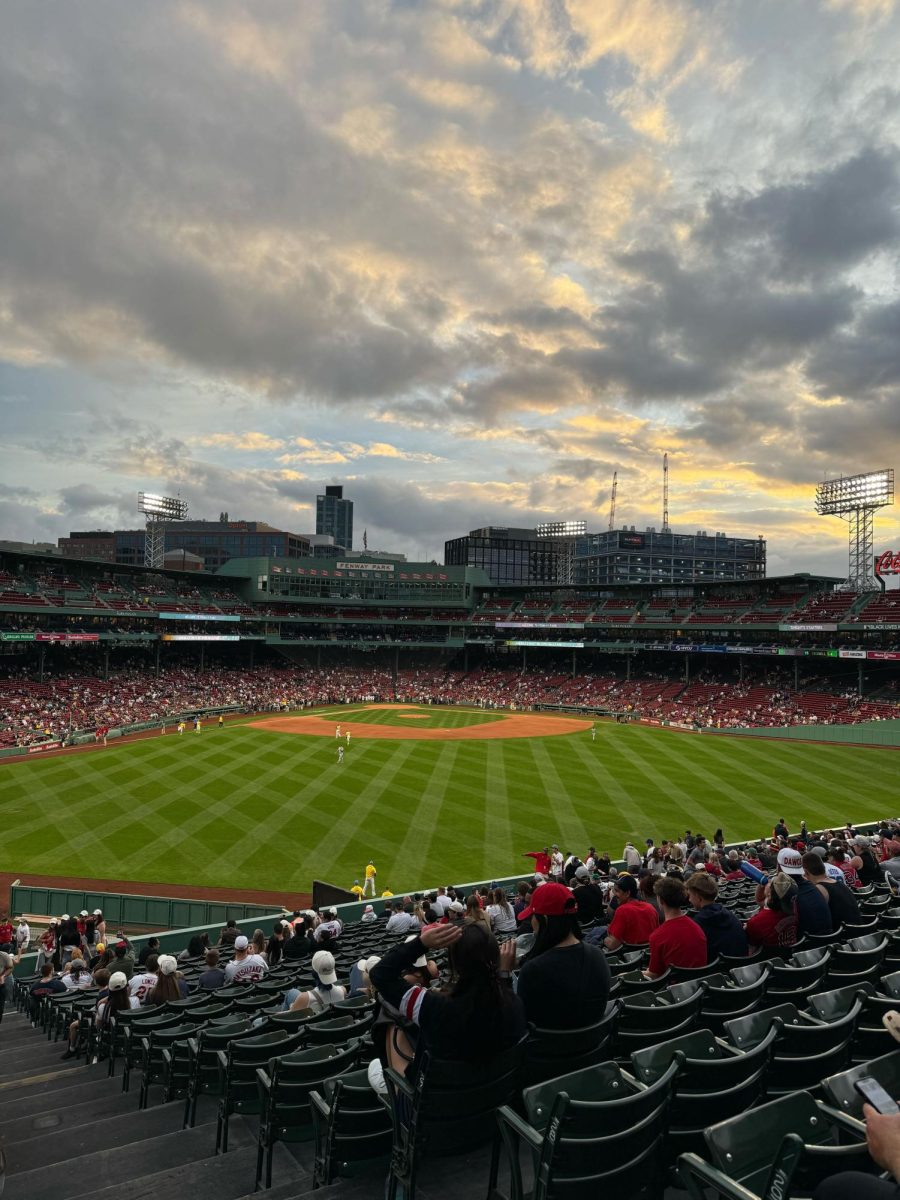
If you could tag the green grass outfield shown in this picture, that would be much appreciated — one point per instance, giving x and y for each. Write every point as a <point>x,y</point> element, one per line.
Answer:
<point>245,807</point>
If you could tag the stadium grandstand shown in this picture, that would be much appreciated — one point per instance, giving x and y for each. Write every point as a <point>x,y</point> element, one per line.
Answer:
<point>686,1020</point>
<point>85,644</point>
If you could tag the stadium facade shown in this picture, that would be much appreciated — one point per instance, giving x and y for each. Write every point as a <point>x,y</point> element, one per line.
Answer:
<point>275,604</point>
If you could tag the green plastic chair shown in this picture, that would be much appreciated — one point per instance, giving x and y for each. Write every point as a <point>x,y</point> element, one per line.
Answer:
<point>551,1051</point>
<point>783,1148</point>
<point>352,1128</point>
<point>203,1051</point>
<point>839,1089</point>
<point>593,1132</point>
<point>445,1108</point>
<point>238,1063</point>
<point>285,1087</point>
<point>714,1081</point>
<point>157,1068</point>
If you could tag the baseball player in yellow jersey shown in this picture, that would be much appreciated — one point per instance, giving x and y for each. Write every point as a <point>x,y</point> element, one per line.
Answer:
<point>370,878</point>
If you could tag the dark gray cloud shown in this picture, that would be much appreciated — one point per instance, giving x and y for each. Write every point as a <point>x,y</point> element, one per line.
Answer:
<point>829,220</point>
<point>691,330</point>
<point>863,361</point>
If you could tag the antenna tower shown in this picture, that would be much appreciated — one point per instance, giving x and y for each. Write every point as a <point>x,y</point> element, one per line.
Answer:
<point>612,501</point>
<point>665,524</point>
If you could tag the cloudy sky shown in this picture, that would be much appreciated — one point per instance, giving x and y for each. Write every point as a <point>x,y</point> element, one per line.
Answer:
<point>467,257</point>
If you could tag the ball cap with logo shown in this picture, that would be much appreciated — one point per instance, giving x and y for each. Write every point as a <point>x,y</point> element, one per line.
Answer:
<point>551,900</point>
<point>790,861</point>
<point>323,965</point>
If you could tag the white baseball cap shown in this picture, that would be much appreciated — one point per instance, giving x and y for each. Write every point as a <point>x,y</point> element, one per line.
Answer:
<point>167,965</point>
<point>241,943</point>
<point>790,861</point>
<point>117,981</point>
<point>323,965</point>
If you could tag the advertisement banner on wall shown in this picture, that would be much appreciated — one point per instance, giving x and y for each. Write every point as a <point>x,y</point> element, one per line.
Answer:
<point>200,637</point>
<point>67,638</point>
<point>851,654</point>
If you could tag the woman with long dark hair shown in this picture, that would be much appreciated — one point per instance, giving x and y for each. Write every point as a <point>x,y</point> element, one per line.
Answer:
<point>563,982</point>
<point>474,1019</point>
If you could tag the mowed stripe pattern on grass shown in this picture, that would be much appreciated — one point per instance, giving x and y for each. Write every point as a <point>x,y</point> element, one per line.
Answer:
<point>245,808</point>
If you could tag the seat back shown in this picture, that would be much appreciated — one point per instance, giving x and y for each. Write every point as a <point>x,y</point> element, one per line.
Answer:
<point>840,1089</point>
<point>601,1097</point>
<point>552,1051</point>
<point>589,1140</point>
<point>750,1147</point>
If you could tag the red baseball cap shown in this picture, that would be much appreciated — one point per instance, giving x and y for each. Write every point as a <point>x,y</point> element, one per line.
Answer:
<point>551,900</point>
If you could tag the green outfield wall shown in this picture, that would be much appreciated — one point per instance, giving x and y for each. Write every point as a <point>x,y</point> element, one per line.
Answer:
<point>866,733</point>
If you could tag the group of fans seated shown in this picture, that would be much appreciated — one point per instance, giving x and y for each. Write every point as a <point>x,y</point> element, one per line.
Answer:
<point>465,976</point>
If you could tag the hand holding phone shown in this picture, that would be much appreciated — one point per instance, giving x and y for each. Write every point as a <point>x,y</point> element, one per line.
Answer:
<point>873,1093</point>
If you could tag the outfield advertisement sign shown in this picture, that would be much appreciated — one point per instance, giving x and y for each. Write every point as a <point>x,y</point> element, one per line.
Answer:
<point>16,637</point>
<point>883,655</point>
<point>550,645</point>
<point>67,638</point>
<point>539,625</point>
<point>39,749</point>
<point>180,616</point>
<point>825,628</point>
<point>200,637</point>
<point>851,653</point>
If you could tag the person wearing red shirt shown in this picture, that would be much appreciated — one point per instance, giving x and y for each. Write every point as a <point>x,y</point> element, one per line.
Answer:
<point>634,920</point>
<point>679,941</point>
<point>7,935</point>
<point>776,922</point>
<point>541,860</point>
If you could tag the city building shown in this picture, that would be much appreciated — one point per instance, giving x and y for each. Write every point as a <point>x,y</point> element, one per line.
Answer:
<point>215,542</point>
<point>652,556</point>
<point>513,555</point>
<point>334,515</point>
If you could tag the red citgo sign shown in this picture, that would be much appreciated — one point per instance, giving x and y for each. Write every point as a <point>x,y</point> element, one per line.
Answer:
<point>887,564</point>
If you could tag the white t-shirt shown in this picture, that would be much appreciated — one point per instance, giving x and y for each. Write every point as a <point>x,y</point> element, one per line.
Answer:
<point>441,904</point>
<point>556,863</point>
<point>246,970</point>
<point>503,920</point>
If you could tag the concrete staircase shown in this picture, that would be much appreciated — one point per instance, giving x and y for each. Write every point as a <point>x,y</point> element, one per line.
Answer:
<point>69,1131</point>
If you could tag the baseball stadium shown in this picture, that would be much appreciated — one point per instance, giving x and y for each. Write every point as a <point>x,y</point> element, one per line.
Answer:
<point>372,748</point>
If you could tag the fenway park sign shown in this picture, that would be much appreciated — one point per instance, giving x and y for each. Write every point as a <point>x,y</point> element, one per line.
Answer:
<point>887,564</point>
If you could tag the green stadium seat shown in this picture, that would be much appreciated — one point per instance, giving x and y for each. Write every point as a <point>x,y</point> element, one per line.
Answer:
<point>285,1086</point>
<point>352,1128</point>
<point>450,1107</point>
<point>593,1132</point>
<point>238,1063</point>
<point>783,1148</point>
<point>551,1051</point>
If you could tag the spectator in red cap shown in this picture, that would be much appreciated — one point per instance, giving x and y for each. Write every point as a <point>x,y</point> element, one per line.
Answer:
<point>563,983</point>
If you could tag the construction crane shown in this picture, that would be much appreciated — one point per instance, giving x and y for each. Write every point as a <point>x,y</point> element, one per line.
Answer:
<point>612,501</point>
<point>665,524</point>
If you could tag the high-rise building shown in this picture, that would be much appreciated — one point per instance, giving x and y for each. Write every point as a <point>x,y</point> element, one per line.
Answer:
<point>662,556</point>
<point>513,555</point>
<point>334,515</point>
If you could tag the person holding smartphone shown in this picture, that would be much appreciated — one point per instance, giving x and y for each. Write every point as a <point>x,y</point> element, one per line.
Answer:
<point>883,1139</point>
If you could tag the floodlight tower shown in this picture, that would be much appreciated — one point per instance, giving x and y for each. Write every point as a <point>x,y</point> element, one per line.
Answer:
<point>159,510</point>
<point>855,498</point>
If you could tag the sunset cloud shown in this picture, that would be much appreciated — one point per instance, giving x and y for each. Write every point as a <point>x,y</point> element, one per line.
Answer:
<point>467,259</point>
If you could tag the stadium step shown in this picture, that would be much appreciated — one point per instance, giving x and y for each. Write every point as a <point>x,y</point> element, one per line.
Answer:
<point>225,1177</point>
<point>59,1114</point>
<point>44,1098</point>
<point>124,1156</point>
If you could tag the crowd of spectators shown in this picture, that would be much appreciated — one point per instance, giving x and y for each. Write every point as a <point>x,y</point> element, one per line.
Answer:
<point>71,701</point>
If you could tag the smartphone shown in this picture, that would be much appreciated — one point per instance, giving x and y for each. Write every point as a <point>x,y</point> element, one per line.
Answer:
<point>873,1093</point>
